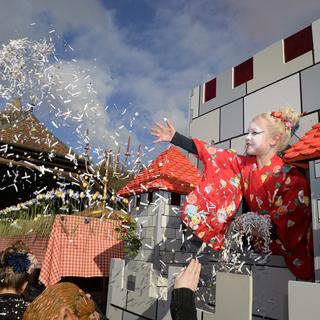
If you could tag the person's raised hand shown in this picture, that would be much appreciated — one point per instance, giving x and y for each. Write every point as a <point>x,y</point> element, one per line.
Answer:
<point>189,277</point>
<point>163,133</point>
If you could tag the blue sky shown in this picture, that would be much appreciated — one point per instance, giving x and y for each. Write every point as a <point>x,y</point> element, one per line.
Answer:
<point>144,56</point>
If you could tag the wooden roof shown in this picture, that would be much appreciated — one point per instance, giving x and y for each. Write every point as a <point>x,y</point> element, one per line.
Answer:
<point>20,127</point>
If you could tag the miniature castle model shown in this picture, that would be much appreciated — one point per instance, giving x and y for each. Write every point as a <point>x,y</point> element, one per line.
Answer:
<point>286,73</point>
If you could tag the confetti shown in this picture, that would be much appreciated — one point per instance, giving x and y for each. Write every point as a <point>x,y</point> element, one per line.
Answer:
<point>54,124</point>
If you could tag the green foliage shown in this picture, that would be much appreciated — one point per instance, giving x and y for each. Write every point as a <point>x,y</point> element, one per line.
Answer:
<point>127,232</point>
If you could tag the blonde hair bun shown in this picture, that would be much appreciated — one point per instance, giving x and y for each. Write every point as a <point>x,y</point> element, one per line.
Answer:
<point>290,114</point>
<point>277,123</point>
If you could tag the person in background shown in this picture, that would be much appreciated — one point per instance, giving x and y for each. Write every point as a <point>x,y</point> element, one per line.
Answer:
<point>62,301</point>
<point>182,305</point>
<point>16,264</point>
<point>34,287</point>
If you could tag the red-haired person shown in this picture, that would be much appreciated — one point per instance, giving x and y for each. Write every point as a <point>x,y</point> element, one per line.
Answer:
<point>62,301</point>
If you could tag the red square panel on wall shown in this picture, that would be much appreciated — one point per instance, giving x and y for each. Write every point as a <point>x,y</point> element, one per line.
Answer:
<point>210,90</point>
<point>298,44</point>
<point>243,72</point>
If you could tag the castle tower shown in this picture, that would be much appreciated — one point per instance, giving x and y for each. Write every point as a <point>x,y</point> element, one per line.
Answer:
<point>155,197</point>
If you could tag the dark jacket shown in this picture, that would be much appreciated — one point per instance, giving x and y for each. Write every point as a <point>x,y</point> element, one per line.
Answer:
<point>12,306</point>
<point>183,305</point>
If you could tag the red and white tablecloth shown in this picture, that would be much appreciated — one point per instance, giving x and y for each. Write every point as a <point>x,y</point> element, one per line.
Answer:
<point>80,247</point>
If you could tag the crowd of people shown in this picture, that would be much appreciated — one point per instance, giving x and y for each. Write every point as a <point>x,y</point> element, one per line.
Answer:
<point>61,301</point>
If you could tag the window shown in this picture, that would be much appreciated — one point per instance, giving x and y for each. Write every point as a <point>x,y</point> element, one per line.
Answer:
<point>243,72</point>
<point>138,200</point>
<point>210,90</point>
<point>150,197</point>
<point>131,282</point>
<point>298,44</point>
<point>175,199</point>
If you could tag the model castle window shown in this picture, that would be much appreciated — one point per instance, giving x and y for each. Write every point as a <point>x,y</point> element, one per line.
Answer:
<point>210,89</point>
<point>298,44</point>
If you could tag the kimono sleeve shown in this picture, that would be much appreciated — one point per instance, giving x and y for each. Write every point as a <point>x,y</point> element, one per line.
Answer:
<point>226,159</point>
<point>291,211</point>
<point>210,207</point>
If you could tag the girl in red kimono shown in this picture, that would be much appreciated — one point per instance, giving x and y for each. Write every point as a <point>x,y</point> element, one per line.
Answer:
<point>269,186</point>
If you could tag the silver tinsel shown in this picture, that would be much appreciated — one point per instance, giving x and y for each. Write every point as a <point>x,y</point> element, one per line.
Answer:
<point>253,227</point>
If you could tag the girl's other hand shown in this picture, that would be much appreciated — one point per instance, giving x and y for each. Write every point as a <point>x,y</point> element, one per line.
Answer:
<point>163,133</point>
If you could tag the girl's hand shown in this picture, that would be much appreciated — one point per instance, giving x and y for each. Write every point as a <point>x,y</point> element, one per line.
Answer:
<point>163,133</point>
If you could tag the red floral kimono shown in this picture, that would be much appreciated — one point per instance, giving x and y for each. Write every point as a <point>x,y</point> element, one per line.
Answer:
<point>277,189</point>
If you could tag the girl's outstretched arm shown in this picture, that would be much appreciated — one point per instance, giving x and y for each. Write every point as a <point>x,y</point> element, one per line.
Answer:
<point>169,134</point>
